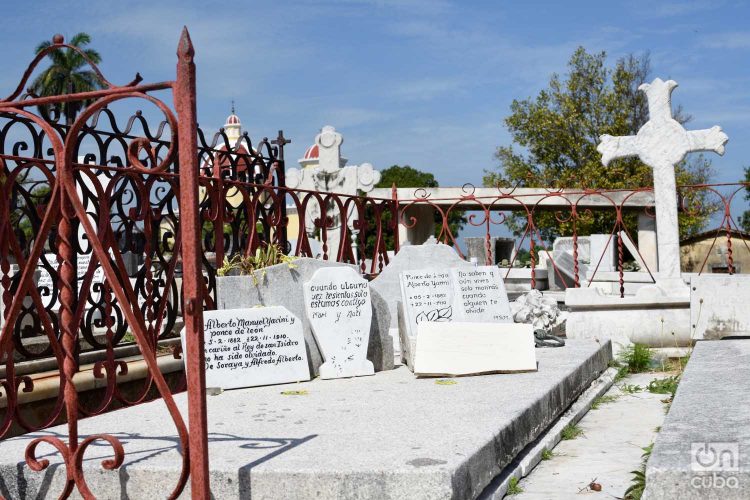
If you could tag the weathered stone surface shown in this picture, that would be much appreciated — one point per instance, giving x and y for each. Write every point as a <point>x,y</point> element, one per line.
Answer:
<point>282,286</point>
<point>340,313</point>
<point>412,258</point>
<point>719,305</point>
<point>709,419</point>
<point>427,295</point>
<point>347,438</point>
<point>659,321</point>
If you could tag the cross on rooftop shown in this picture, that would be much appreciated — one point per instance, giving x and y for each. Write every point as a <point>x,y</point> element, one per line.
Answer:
<point>662,143</point>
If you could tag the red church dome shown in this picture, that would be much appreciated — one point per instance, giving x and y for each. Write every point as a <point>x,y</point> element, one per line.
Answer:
<point>311,153</point>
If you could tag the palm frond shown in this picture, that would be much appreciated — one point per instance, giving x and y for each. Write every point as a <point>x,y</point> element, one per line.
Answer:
<point>80,39</point>
<point>42,46</point>
<point>93,55</point>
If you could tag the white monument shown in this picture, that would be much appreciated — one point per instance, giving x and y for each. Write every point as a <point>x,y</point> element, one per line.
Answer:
<point>662,143</point>
<point>658,314</point>
<point>325,170</point>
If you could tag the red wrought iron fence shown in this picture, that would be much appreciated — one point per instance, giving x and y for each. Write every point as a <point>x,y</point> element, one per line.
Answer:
<point>535,218</point>
<point>83,211</point>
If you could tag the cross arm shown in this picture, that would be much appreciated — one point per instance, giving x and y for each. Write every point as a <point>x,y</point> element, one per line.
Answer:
<point>712,139</point>
<point>612,147</point>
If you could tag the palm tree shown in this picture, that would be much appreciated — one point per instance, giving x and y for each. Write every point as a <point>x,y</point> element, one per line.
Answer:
<point>66,76</point>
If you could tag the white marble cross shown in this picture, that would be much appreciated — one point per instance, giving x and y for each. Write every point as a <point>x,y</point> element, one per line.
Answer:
<point>662,143</point>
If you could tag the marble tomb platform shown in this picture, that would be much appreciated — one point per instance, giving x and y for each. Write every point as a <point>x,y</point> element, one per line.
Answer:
<point>390,435</point>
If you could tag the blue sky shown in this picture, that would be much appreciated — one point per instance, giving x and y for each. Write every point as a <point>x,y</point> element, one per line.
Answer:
<point>418,82</point>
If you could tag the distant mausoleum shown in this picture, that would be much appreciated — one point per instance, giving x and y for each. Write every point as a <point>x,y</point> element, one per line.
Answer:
<point>693,251</point>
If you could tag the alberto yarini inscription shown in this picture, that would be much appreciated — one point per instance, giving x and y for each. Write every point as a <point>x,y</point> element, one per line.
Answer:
<point>251,347</point>
<point>428,295</point>
<point>340,313</point>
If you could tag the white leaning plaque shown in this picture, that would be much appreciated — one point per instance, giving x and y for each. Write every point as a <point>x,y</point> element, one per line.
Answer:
<point>337,301</point>
<point>427,295</point>
<point>253,347</point>
<point>480,295</point>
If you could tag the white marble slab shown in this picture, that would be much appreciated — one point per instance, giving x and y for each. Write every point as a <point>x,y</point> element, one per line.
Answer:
<point>719,306</point>
<point>458,348</point>
<point>339,309</point>
<point>253,347</point>
<point>480,295</point>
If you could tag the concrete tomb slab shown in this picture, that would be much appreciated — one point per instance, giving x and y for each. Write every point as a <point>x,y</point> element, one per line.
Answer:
<point>282,285</point>
<point>703,448</point>
<point>719,305</point>
<point>340,313</point>
<point>253,347</point>
<point>389,436</point>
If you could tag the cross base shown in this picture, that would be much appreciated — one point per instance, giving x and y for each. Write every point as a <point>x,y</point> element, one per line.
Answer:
<point>664,287</point>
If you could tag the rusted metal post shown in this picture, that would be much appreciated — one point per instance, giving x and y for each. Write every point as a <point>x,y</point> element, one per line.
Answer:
<point>68,280</point>
<point>576,270</point>
<point>280,142</point>
<point>184,98</point>
<point>395,217</point>
<point>219,199</point>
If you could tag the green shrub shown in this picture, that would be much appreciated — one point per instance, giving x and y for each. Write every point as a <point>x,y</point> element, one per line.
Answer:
<point>637,358</point>
<point>264,257</point>
<point>513,488</point>
<point>666,385</point>
<point>571,431</point>
<point>638,483</point>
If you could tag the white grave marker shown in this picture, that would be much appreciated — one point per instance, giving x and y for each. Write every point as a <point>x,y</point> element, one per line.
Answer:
<point>480,295</point>
<point>253,347</point>
<point>454,349</point>
<point>83,261</point>
<point>427,296</point>
<point>337,301</point>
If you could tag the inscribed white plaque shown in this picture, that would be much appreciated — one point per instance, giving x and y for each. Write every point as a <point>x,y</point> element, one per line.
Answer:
<point>337,301</point>
<point>427,295</point>
<point>252,347</point>
<point>480,295</point>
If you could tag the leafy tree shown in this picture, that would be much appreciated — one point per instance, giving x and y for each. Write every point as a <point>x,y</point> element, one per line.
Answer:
<point>408,177</point>
<point>745,217</point>
<point>555,135</point>
<point>66,75</point>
